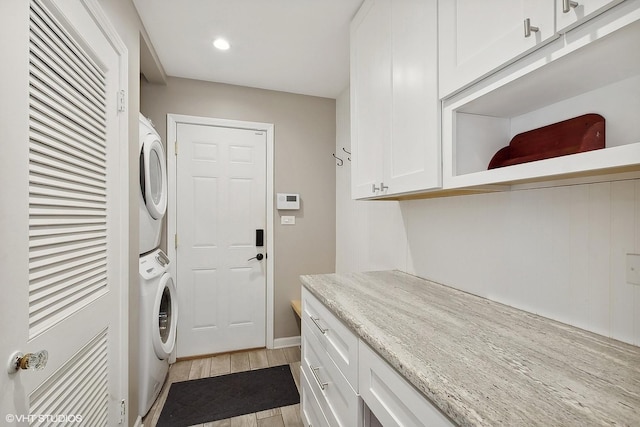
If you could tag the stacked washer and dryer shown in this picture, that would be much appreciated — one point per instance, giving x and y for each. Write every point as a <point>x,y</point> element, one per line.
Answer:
<point>158,299</point>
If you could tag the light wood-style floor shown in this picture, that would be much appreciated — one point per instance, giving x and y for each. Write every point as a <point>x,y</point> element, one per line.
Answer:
<point>287,416</point>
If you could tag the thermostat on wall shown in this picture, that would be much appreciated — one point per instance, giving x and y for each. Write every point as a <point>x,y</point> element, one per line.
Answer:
<point>288,201</point>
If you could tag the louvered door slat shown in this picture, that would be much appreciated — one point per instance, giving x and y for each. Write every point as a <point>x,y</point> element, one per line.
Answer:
<point>44,221</point>
<point>49,146</point>
<point>50,252</point>
<point>38,190</point>
<point>74,54</point>
<point>60,103</point>
<point>55,164</point>
<point>59,184</point>
<point>79,213</point>
<point>39,168</point>
<point>60,65</point>
<point>59,271</point>
<point>47,83</point>
<point>83,289</point>
<point>61,292</point>
<point>81,383</point>
<point>88,293</point>
<point>42,104</point>
<point>61,202</point>
<point>56,401</point>
<point>90,402</point>
<point>63,229</point>
<point>56,80</point>
<point>74,257</point>
<point>45,125</point>
<point>84,270</point>
<point>51,239</point>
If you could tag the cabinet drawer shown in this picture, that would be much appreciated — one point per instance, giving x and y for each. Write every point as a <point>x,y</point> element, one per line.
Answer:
<point>337,340</point>
<point>312,415</point>
<point>337,399</point>
<point>391,398</point>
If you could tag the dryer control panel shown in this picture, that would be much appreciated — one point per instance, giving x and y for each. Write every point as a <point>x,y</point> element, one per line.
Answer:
<point>153,264</point>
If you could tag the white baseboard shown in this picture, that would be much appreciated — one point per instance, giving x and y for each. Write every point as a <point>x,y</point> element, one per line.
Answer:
<point>286,342</point>
<point>138,422</point>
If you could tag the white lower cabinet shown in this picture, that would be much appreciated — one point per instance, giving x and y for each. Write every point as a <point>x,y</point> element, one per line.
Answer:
<point>393,401</point>
<point>346,384</point>
<point>312,415</point>
<point>340,344</point>
<point>338,401</point>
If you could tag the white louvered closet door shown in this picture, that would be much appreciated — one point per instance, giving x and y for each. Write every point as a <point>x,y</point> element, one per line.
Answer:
<point>64,219</point>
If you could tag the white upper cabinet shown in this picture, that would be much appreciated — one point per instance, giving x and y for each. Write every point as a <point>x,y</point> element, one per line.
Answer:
<point>593,69</point>
<point>395,121</point>
<point>412,156</point>
<point>370,94</point>
<point>570,13</point>
<point>478,37</point>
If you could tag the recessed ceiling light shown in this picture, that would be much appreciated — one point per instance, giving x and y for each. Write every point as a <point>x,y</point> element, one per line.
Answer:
<point>221,44</point>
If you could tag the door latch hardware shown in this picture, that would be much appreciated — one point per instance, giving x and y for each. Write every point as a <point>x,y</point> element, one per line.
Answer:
<point>30,361</point>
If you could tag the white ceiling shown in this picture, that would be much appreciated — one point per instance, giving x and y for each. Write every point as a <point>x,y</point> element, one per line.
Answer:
<point>298,46</point>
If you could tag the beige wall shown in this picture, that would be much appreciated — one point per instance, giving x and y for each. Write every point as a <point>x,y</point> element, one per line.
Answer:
<point>304,140</point>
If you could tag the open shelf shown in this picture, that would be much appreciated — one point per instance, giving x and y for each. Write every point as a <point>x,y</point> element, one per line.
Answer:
<point>593,69</point>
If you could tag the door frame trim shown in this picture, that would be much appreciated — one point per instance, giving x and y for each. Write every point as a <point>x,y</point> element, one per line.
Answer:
<point>98,14</point>
<point>172,121</point>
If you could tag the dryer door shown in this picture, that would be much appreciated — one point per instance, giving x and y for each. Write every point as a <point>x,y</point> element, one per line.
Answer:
<point>154,182</point>
<point>165,317</point>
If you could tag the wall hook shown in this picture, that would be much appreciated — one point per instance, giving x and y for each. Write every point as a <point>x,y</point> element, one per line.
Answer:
<point>348,152</point>
<point>340,161</point>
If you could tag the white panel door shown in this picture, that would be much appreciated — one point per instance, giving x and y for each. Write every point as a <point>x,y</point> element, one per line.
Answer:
<point>63,214</point>
<point>221,202</point>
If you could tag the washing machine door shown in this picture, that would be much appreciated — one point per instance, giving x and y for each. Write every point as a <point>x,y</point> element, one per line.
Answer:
<point>153,175</point>
<point>165,313</point>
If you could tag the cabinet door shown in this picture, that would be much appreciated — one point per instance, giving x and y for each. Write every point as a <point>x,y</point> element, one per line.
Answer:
<point>394,401</point>
<point>370,94</point>
<point>336,339</point>
<point>412,156</point>
<point>477,37</point>
<point>310,410</point>
<point>572,13</point>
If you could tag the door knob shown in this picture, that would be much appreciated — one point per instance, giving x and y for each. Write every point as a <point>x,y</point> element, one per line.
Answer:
<point>30,361</point>
<point>258,257</point>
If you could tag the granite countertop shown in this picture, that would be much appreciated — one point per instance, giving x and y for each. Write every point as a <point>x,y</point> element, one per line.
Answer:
<point>483,363</point>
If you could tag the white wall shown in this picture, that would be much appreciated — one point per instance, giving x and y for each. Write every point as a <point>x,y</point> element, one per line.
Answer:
<point>559,252</point>
<point>369,235</point>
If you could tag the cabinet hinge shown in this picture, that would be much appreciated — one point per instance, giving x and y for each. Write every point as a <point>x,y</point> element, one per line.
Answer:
<point>175,240</point>
<point>175,151</point>
<point>121,102</point>
<point>123,411</point>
